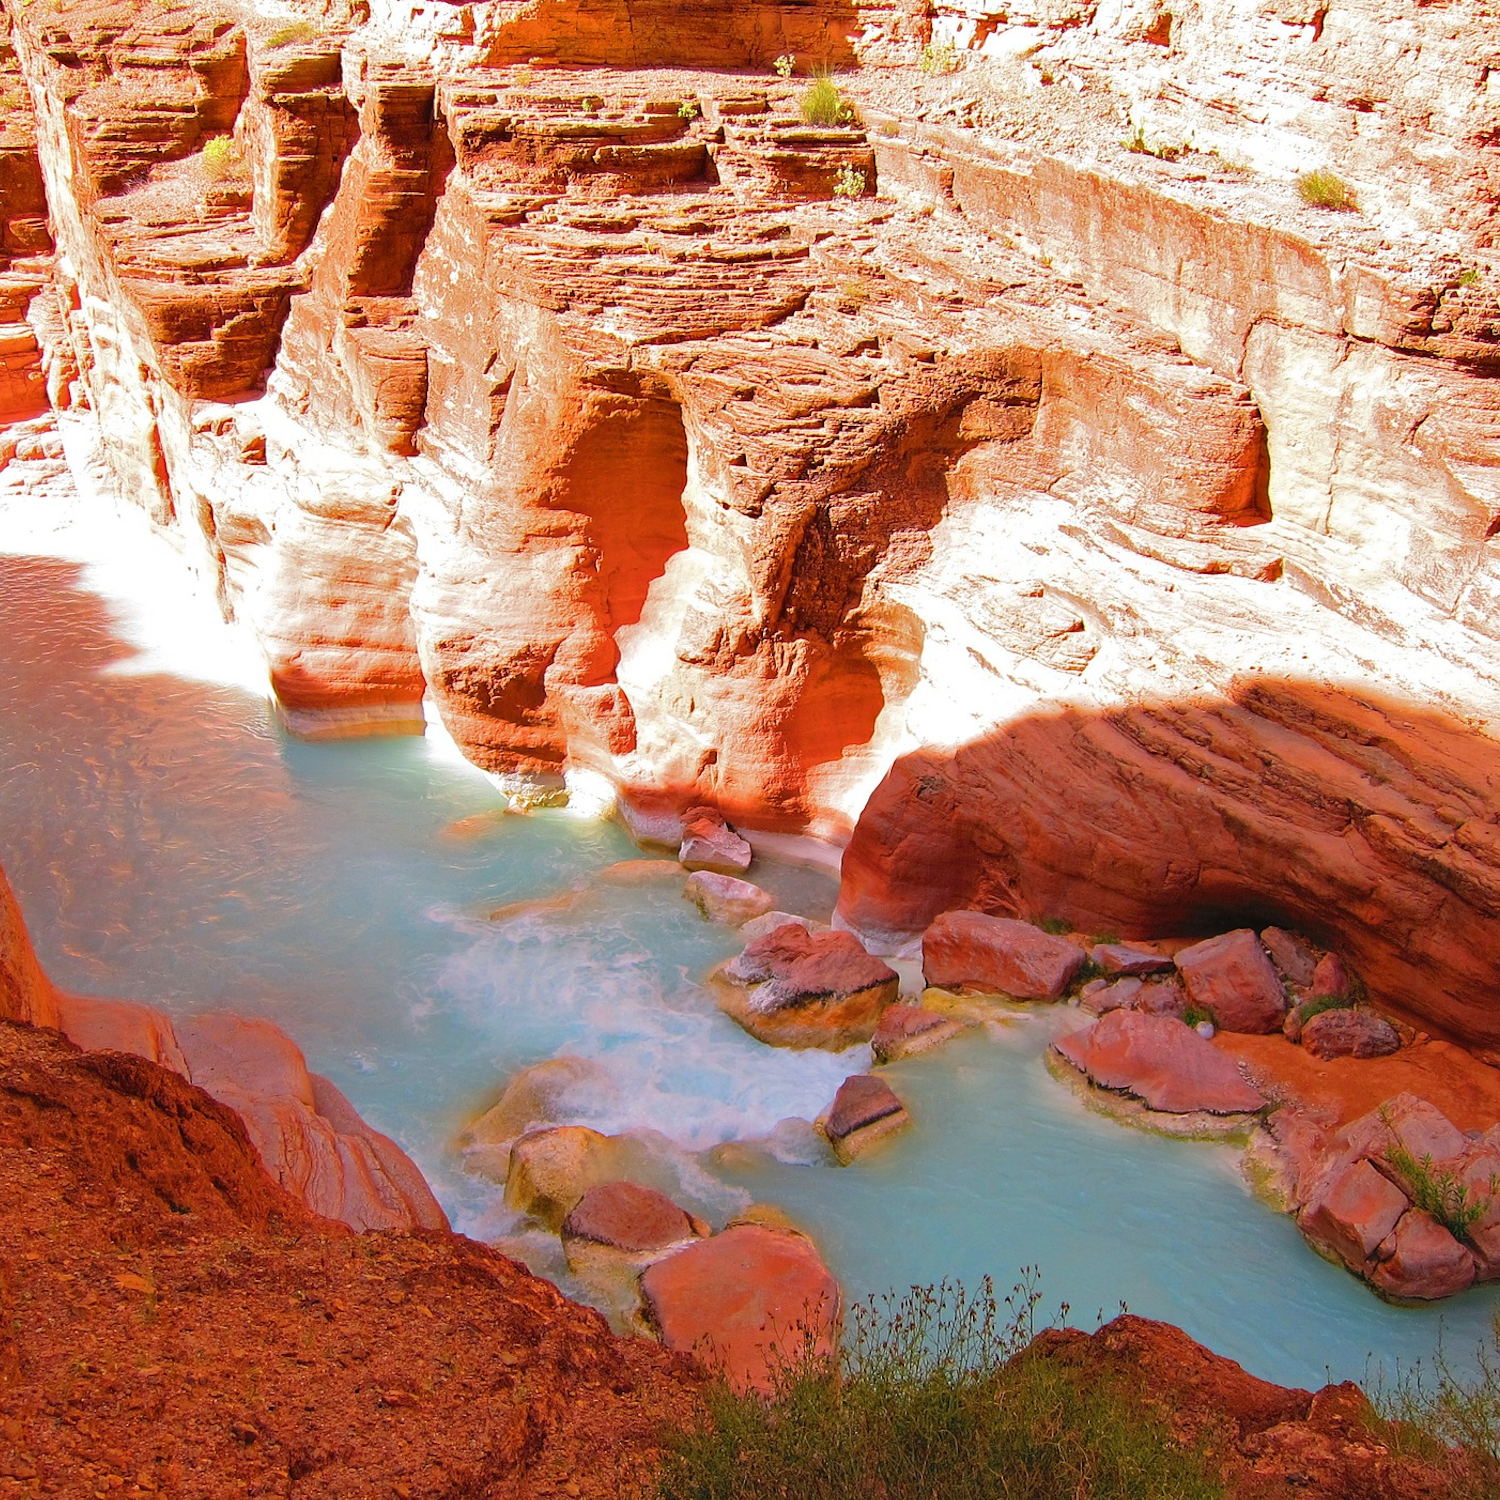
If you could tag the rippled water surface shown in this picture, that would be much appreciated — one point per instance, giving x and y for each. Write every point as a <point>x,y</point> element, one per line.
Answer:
<point>169,843</point>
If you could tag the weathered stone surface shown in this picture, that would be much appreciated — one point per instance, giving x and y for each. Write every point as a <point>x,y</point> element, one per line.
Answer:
<point>1162,997</point>
<point>628,1217</point>
<point>722,898</point>
<point>120,1026</point>
<point>309,1137</point>
<point>1294,959</point>
<point>729,1298</point>
<point>1421,1260</point>
<point>1349,1033</point>
<point>906,1030</point>
<point>26,994</point>
<point>552,1168</point>
<point>1350,1214</point>
<point>1100,996</point>
<point>1231,976</point>
<point>1330,977</point>
<point>864,1111</point>
<point>1122,959</point>
<point>708,843</point>
<point>795,988</point>
<point>966,950</point>
<point>1165,1064</point>
<point>758,927</point>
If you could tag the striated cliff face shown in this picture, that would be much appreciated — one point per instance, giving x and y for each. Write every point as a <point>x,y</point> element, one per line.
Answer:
<point>1066,511</point>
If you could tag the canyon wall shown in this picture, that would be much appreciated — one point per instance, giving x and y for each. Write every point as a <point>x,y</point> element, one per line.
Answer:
<point>1017,478</point>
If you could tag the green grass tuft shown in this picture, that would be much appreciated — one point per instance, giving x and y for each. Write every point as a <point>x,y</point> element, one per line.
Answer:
<point>1321,188</point>
<point>932,1397</point>
<point>823,103</point>
<point>296,31</point>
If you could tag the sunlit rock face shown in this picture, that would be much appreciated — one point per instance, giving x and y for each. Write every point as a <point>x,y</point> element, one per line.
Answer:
<point>1118,519</point>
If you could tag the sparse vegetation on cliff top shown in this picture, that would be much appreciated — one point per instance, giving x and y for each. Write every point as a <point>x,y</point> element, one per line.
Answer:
<point>932,1395</point>
<point>1321,188</point>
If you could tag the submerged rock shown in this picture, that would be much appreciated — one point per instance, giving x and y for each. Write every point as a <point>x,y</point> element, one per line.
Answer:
<point>864,1111</point>
<point>1231,976</point>
<point>967,950</point>
<point>906,1030</point>
<point>723,898</point>
<point>795,988</point>
<point>737,1299</point>
<point>1165,1064</point>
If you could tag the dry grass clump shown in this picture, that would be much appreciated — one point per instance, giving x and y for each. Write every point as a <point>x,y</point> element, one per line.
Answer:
<point>929,1398</point>
<point>1321,188</point>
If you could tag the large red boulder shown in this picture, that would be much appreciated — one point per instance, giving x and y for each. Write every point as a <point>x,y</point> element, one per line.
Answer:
<point>966,950</point>
<point>1351,1212</point>
<point>865,1110</point>
<point>1422,1260</point>
<point>1349,1033</point>
<point>743,1299</point>
<point>795,988</point>
<point>1231,976</point>
<point>626,1216</point>
<point>1165,1064</point>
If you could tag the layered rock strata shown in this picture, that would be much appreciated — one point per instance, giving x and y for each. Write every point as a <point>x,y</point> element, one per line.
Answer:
<point>530,363</point>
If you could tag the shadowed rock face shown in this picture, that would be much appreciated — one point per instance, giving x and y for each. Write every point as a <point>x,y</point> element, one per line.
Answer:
<point>1362,821</point>
<point>527,361</point>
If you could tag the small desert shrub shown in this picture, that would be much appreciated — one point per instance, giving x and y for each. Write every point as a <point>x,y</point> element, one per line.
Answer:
<point>848,182</point>
<point>296,31</point>
<point>1451,1421</point>
<point>1138,143</point>
<point>1319,1003</point>
<point>688,110</point>
<point>221,159</point>
<point>1455,1205</point>
<point>932,1396</point>
<point>938,58</point>
<point>1469,276</point>
<point>1324,189</point>
<point>1057,926</point>
<point>823,103</point>
<point>784,65</point>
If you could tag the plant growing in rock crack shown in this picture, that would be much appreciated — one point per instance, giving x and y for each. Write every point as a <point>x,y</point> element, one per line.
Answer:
<point>934,1394</point>
<point>1321,188</point>
<point>1470,276</point>
<point>1196,1015</point>
<point>688,110</point>
<point>1437,1192</point>
<point>823,103</point>
<point>221,159</point>
<point>848,182</point>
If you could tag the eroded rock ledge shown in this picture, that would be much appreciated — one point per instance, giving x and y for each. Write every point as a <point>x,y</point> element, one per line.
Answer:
<point>1122,521</point>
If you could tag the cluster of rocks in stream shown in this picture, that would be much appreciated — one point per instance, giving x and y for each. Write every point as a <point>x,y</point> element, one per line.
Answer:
<point>1401,1197</point>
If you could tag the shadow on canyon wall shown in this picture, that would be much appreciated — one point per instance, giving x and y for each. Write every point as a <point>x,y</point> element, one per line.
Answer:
<point>1367,822</point>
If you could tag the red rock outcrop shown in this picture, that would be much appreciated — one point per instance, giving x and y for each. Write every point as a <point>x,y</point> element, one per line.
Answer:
<point>483,362</point>
<point>176,1323</point>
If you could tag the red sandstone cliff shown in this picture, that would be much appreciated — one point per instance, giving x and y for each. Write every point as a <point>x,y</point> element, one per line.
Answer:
<point>1140,514</point>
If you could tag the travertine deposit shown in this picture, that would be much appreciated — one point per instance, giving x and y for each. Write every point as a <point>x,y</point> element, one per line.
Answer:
<point>1014,472</point>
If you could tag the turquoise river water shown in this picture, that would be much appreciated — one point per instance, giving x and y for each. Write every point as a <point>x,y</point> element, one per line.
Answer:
<point>170,843</point>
